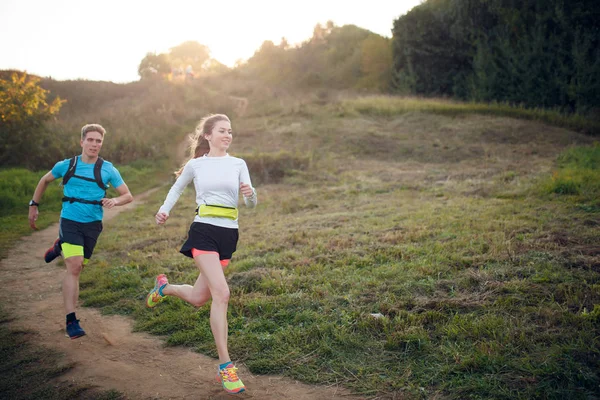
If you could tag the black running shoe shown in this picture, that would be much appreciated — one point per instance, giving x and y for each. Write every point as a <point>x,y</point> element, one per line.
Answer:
<point>52,252</point>
<point>74,330</point>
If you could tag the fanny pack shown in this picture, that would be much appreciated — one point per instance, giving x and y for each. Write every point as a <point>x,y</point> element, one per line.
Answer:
<point>206,210</point>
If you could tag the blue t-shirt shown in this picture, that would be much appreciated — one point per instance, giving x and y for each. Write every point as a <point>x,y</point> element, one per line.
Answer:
<point>83,189</point>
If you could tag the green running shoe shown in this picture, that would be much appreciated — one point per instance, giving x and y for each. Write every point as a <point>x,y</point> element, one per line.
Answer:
<point>155,297</point>
<point>229,379</point>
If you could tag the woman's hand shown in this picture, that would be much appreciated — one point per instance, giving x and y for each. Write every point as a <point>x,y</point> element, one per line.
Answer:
<point>246,190</point>
<point>161,218</point>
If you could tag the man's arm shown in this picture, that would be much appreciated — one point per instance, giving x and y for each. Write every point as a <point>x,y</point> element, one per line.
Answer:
<point>125,197</point>
<point>37,197</point>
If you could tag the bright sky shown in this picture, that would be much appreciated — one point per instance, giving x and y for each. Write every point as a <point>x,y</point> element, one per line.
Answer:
<point>106,40</point>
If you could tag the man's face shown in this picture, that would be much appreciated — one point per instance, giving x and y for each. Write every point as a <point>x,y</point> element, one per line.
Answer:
<point>92,143</point>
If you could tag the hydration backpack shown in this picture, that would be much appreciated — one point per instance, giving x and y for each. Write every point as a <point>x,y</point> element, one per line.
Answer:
<point>97,178</point>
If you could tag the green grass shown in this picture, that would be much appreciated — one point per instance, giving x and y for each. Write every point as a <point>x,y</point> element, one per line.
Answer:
<point>418,256</point>
<point>17,186</point>
<point>390,106</point>
<point>404,248</point>
<point>31,372</point>
<point>576,178</point>
<point>581,157</point>
<point>273,168</point>
<point>463,310</point>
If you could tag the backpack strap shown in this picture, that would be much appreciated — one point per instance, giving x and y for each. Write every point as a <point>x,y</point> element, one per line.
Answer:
<point>70,171</point>
<point>97,178</point>
<point>98,173</point>
<point>76,200</point>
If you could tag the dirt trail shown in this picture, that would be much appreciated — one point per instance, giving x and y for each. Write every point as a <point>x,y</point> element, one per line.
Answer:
<point>111,356</point>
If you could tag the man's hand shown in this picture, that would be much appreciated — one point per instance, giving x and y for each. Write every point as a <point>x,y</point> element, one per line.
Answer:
<point>109,203</point>
<point>33,216</point>
<point>161,218</point>
<point>39,192</point>
<point>246,190</point>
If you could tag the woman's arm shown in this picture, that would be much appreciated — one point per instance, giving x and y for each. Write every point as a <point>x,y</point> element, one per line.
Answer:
<point>249,193</point>
<point>187,175</point>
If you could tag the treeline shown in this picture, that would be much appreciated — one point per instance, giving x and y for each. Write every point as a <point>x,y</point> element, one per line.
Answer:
<point>41,119</point>
<point>529,53</point>
<point>346,57</point>
<point>535,53</point>
<point>184,61</point>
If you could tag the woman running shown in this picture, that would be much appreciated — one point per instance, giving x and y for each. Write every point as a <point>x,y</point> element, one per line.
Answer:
<point>212,238</point>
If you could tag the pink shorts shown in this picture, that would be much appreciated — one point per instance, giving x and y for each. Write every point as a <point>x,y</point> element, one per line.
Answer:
<point>196,252</point>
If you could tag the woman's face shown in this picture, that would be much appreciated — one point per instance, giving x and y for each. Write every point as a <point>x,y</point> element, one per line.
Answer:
<point>221,136</point>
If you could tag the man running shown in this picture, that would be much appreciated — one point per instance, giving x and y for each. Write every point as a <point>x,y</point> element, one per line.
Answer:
<point>85,179</point>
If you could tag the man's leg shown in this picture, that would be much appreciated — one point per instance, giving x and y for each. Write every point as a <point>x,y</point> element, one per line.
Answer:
<point>71,283</point>
<point>74,262</point>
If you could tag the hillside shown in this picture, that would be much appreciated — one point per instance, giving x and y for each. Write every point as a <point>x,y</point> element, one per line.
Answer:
<point>402,247</point>
<point>414,255</point>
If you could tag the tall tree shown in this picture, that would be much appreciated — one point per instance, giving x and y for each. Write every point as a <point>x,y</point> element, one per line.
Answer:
<point>433,48</point>
<point>269,63</point>
<point>154,66</point>
<point>190,53</point>
<point>376,63</point>
<point>539,53</point>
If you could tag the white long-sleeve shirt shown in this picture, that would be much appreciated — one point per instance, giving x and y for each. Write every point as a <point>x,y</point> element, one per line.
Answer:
<point>217,182</point>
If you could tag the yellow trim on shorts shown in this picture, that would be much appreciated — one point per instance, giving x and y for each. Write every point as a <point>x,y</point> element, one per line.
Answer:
<point>72,250</point>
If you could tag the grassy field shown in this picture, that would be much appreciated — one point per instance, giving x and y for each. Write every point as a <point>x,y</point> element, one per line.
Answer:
<point>404,254</point>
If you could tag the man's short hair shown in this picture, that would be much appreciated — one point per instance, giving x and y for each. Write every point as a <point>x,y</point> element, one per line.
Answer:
<point>92,128</point>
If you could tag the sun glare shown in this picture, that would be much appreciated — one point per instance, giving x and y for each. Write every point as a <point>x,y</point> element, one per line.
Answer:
<point>108,41</point>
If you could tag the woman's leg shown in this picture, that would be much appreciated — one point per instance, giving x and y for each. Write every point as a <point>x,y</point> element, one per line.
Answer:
<point>213,277</point>
<point>196,295</point>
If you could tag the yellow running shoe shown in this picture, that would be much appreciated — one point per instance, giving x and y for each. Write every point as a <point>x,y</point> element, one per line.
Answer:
<point>229,379</point>
<point>155,296</point>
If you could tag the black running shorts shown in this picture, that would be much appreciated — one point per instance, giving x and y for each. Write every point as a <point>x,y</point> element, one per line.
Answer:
<point>208,237</point>
<point>84,234</point>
